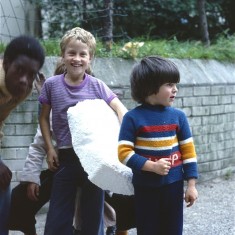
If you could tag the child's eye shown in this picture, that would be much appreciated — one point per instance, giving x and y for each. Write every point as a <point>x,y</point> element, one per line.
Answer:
<point>19,69</point>
<point>83,54</point>
<point>170,84</point>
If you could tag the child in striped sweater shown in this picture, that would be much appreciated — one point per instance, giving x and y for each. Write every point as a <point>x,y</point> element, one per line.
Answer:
<point>155,141</point>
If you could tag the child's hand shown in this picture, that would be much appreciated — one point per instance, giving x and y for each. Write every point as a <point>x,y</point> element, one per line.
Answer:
<point>52,160</point>
<point>40,79</point>
<point>33,191</point>
<point>162,166</point>
<point>191,193</point>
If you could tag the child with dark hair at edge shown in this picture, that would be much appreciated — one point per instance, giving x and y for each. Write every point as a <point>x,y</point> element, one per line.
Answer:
<point>155,141</point>
<point>23,58</point>
<point>58,94</point>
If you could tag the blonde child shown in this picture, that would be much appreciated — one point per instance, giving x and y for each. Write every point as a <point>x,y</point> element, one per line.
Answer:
<point>58,94</point>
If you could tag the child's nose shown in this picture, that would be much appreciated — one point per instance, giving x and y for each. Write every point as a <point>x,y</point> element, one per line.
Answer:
<point>77,57</point>
<point>175,89</point>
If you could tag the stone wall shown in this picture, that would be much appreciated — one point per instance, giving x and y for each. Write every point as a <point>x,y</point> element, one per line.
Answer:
<point>206,94</point>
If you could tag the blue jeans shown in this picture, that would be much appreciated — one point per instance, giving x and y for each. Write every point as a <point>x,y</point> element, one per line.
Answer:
<point>5,198</point>
<point>68,177</point>
<point>92,210</point>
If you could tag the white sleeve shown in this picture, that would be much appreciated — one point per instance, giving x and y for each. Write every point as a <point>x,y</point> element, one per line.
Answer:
<point>33,163</point>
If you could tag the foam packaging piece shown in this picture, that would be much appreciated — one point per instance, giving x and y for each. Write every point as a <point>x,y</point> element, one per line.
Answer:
<point>94,128</point>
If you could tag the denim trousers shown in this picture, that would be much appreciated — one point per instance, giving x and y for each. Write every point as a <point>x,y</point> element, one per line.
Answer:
<point>67,178</point>
<point>5,198</point>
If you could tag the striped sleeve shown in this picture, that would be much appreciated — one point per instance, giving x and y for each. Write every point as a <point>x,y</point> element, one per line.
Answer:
<point>126,153</point>
<point>188,152</point>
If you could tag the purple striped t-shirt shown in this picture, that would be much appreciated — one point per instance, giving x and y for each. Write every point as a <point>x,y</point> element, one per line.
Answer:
<point>60,96</point>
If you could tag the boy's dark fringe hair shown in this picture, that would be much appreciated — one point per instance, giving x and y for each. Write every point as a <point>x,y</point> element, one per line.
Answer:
<point>149,74</point>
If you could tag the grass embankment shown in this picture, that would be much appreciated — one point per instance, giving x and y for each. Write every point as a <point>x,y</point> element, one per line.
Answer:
<point>222,49</point>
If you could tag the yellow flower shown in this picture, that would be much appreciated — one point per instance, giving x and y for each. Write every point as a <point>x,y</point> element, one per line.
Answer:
<point>132,48</point>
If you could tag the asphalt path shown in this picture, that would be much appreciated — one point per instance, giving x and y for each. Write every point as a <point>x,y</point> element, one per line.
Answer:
<point>212,214</point>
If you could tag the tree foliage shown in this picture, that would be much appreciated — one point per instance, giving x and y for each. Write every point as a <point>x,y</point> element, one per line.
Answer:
<point>155,19</point>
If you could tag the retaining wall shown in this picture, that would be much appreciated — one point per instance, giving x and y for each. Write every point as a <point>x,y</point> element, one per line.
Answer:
<point>206,94</point>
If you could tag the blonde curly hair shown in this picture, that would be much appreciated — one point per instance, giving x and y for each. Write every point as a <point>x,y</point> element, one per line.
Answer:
<point>79,34</point>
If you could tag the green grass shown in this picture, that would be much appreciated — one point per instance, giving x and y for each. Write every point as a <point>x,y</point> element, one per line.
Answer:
<point>223,49</point>
<point>51,47</point>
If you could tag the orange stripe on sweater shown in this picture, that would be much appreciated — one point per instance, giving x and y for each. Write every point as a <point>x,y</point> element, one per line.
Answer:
<point>156,143</point>
<point>123,151</point>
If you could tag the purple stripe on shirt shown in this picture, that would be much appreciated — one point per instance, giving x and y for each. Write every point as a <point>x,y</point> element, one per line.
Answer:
<point>61,96</point>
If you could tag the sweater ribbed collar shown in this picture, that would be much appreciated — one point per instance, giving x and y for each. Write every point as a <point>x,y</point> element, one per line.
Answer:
<point>155,107</point>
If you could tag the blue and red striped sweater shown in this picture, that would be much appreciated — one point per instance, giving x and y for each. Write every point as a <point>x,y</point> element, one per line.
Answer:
<point>153,132</point>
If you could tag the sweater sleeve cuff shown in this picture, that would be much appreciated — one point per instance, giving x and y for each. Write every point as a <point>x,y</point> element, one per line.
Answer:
<point>136,162</point>
<point>190,171</point>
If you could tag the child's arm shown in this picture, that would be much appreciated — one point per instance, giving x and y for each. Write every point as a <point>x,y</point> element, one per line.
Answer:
<point>118,107</point>
<point>191,193</point>
<point>34,160</point>
<point>44,120</point>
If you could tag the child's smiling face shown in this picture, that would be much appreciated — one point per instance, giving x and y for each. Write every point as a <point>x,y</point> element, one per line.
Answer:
<point>76,58</point>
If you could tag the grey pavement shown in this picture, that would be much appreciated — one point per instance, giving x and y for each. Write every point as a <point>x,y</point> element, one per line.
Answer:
<point>213,213</point>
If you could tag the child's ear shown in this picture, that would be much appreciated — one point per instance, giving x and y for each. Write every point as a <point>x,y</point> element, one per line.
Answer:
<point>91,54</point>
<point>5,65</point>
